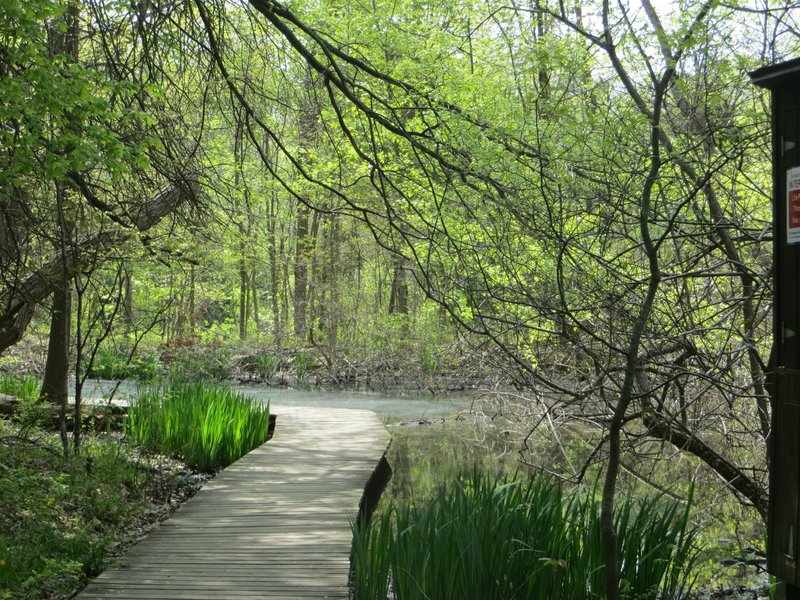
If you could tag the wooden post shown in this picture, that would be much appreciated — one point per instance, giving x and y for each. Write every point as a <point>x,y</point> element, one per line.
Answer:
<point>783,523</point>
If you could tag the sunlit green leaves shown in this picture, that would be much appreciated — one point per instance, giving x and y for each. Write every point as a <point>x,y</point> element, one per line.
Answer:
<point>209,427</point>
<point>58,115</point>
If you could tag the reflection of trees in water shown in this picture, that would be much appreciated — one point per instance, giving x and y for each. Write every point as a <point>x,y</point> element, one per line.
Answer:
<point>426,457</point>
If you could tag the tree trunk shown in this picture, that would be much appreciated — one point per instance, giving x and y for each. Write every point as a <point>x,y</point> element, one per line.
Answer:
<point>19,301</point>
<point>312,284</point>
<point>541,30</point>
<point>243,291</point>
<point>301,273</point>
<point>398,298</point>
<point>254,297</point>
<point>56,370</point>
<point>241,183</point>
<point>633,344</point>
<point>331,274</point>
<point>14,219</point>
<point>56,375</point>
<point>192,300</point>
<point>127,301</point>
<point>274,272</point>
<point>285,282</point>
<point>77,417</point>
<point>309,128</point>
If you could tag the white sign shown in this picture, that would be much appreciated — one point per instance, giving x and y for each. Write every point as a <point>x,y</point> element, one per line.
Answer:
<point>793,206</point>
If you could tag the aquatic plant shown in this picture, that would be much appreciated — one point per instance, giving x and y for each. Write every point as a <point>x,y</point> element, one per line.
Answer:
<point>209,427</point>
<point>24,387</point>
<point>488,538</point>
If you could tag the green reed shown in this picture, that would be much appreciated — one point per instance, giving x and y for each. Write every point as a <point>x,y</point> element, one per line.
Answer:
<point>209,427</point>
<point>487,539</point>
<point>24,387</point>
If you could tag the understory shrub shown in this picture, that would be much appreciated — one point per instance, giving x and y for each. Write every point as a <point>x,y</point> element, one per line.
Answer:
<point>486,539</point>
<point>118,363</point>
<point>268,364</point>
<point>61,516</point>
<point>25,388</point>
<point>303,361</point>
<point>199,363</point>
<point>209,427</point>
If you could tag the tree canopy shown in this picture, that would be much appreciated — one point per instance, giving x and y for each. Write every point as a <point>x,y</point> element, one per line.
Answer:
<point>584,187</point>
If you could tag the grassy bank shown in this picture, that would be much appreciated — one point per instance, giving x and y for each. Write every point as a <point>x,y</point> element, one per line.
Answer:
<point>62,518</point>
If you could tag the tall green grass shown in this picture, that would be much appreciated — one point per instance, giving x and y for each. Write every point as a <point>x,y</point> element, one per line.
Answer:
<point>24,387</point>
<point>210,427</point>
<point>487,539</point>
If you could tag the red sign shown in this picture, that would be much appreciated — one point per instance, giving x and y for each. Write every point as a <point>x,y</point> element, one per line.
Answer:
<point>794,209</point>
<point>793,206</point>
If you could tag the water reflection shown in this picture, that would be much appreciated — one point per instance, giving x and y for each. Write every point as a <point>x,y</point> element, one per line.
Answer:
<point>450,441</point>
<point>424,458</point>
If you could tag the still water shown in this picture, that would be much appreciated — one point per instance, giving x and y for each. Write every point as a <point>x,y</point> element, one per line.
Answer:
<point>391,407</point>
<point>452,441</point>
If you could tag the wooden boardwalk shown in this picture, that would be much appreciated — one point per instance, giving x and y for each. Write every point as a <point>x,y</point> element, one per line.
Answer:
<point>276,524</point>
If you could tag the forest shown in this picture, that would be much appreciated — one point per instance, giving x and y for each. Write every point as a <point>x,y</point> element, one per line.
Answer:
<point>574,197</point>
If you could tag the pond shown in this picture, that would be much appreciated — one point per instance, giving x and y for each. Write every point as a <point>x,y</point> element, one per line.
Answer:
<point>434,437</point>
<point>391,407</point>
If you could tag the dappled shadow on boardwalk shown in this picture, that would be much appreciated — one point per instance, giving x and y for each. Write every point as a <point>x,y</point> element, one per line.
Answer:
<point>276,524</point>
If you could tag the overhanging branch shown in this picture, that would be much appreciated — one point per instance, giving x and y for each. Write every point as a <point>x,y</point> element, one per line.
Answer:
<point>18,302</point>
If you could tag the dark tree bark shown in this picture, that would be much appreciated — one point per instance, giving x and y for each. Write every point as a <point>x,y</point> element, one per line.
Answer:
<point>301,258</point>
<point>244,290</point>
<point>239,183</point>
<point>335,310</point>
<point>274,271</point>
<point>13,227</point>
<point>56,375</point>
<point>398,298</point>
<point>192,299</point>
<point>285,294</point>
<point>254,297</point>
<point>127,300</point>
<point>56,371</point>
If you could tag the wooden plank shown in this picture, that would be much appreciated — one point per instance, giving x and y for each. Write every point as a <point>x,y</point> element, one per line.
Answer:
<point>276,524</point>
